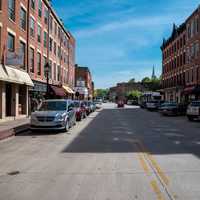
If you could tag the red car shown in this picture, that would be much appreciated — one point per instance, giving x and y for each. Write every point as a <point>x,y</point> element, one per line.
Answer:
<point>80,110</point>
<point>120,104</point>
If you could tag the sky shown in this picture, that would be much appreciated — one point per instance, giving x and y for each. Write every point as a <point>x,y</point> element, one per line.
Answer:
<point>120,39</point>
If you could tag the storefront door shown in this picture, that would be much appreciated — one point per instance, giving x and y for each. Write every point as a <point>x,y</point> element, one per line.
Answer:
<point>8,99</point>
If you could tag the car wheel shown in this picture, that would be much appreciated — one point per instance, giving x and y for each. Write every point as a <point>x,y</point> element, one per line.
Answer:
<point>67,126</point>
<point>190,118</point>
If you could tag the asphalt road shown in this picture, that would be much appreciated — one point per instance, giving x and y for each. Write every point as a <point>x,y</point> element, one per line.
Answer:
<point>115,154</point>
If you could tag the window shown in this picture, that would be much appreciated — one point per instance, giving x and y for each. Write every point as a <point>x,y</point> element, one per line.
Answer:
<point>196,50</point>
<point>46,16</point>
<point>189,31</point>
<point>50,69</point>
<point>55,48</point>
<point>45,62</point>
<point>58,73</point>
<point>55,28</point>
<point>11,9</point>
<point>23,18</point>
<point>38,63</point>
<point>33,4</point>
<point>23,51</point>
<point>39,31</point>
<point>11,42</point>
<point>54,71</point>
<point>0,4</point>
<point>40,8</point>
<point>45,39</point>
<point>51,23</point>
<point>31,61</point>
<point>32,27</point>
<point>197,24</point>
<point>59,32</point>
<point>50,44</point>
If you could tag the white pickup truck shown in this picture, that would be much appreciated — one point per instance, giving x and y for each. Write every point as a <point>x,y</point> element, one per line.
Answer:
<point>193,110</point>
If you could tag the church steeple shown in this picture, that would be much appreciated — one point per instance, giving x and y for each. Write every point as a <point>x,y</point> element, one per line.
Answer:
<point>153,73</point>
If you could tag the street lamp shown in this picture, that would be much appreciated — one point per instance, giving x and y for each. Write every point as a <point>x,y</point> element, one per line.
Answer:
<point>47,76</point>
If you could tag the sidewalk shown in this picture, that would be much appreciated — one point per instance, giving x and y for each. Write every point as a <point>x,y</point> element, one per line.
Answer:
<point>14,127</point>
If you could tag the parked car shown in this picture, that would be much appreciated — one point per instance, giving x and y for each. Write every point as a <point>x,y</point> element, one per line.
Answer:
<point>129,102</point>
<point>93,106</point>
<point>154,105</point>
<point>193,110</point>
<point>120,103</point>
<point>97,104</point>
<point>80,110</point>
<point>143,104</point>
<point>87,105</point>
<point>54,114</point>
<point>172,108</point>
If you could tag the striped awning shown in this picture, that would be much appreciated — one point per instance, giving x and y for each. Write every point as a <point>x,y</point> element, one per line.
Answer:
<point>68,89</point>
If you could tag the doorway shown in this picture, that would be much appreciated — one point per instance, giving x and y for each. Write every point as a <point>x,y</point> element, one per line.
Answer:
<point>8,100</point>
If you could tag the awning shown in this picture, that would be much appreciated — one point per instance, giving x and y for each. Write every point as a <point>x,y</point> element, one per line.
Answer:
<point>189,90</point>
<point>58,91</point>
<point>68,89</point>
<point>82,90</point>
<point>13,75</point>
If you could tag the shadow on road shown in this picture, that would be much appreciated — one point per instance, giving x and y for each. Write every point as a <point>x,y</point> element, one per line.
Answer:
<point>117,131</point>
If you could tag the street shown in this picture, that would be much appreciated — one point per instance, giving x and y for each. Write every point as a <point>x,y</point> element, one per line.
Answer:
<point>114,154</point>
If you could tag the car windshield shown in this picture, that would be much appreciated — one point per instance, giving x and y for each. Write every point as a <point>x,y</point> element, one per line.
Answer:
<point>77,104</point>
<point>195,103</point>
<point>169,105</point>
<point>53,106</point>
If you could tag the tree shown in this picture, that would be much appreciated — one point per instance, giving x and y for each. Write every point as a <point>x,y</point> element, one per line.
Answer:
<point>134,94</point>
<point>132,80</point>
<point>101,93</point>
<point>146,80</point>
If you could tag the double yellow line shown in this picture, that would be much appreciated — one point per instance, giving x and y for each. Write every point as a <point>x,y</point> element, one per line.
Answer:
<point>147,161</point>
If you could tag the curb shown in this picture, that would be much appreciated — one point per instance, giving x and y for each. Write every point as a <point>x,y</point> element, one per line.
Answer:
<point>13,131</point>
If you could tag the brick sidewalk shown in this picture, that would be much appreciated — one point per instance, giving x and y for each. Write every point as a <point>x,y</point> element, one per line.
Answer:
<point>11,128</point>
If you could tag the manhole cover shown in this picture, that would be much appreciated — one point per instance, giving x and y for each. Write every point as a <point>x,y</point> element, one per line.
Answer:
<point>13,173</point>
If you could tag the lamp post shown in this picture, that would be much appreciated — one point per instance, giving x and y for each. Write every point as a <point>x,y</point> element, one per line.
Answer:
<point>47,76</point>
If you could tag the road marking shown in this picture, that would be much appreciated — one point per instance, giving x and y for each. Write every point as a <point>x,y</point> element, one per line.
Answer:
<point>156,189</point>
<point>143,164</point>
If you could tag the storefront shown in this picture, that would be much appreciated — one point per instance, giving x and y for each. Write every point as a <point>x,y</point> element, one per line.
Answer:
<point>69,92</point>
<point>83,93</point>
<point>174,94</point>
<point>14,85</point>
<point>36,94</point>
<point>192,93</point>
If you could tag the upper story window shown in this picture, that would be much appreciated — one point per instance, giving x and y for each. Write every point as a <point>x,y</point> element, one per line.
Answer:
<point>31,62</point>
<point>55,28</point>
<point>22,18</point>
<point>39,31</point>
<point>189,31</point>
<point>11,42</point>
<point>50,44</point>
<point>33,4</point>
<point>55,48</point>
<point>51,23</point>
<point>0,4</point>
<point>23,51</point>
<point>40,8</point>
<point>38,63</point>
<point>11,9</point>
<point>44,64</point>
<point>32,26</point>
<point>197,24</point>
<point>59,32</point>
<point>45,39</point>
<point>46,16</point>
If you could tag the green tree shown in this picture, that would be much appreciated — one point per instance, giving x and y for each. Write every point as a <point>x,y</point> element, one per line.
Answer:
<point>132,80</point>
<point>134,94</point>
<point>146,80</point>
<point>101,93</point>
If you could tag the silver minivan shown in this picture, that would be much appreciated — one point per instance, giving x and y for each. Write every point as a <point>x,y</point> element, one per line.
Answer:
<point>55,114</point>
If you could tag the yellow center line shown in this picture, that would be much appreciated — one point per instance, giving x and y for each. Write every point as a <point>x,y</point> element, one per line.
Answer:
<point>143,164</point>
<point>156,189</point>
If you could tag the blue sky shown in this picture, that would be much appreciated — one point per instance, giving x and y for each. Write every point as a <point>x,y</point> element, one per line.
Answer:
<point>120,39</point>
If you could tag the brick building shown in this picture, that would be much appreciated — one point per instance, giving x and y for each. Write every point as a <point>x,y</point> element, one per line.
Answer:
<point>32,29</point>
<point>122,89</point>
<point>83,82</point>
<point>181,61</point>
